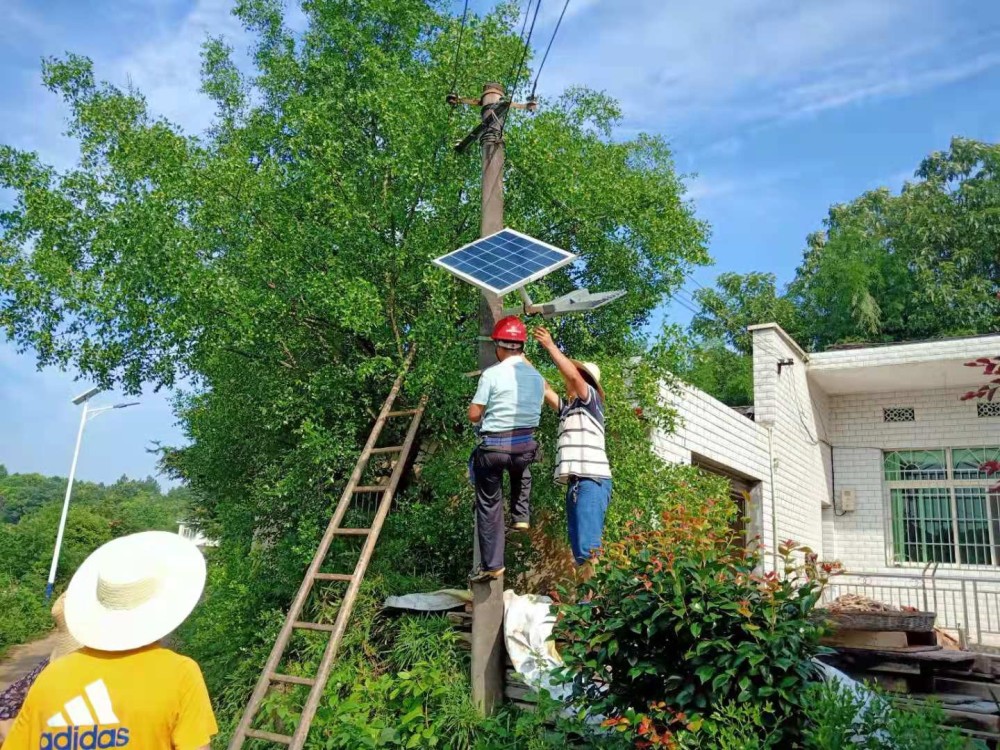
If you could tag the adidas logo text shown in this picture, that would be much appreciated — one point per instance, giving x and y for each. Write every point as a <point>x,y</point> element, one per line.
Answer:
<point>87,726</point>
<point>80,738</point>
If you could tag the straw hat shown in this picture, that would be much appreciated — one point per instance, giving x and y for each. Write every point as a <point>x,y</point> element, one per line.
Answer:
<point>134,590</point>
<point>64,642</point>
<point>592,373</point>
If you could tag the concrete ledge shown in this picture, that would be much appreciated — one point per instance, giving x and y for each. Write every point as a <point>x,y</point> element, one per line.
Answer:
<point>783,334</point>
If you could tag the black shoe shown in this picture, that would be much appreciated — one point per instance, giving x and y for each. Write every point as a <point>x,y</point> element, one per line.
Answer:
<point>484,576</point>
<point>517,529</point>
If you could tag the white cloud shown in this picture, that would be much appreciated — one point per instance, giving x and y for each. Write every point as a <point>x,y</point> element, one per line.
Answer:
<point>20,23</point>
<point>688,63</point>
<point>707,188</point>
<point>700,189</point>
<point>167,67</point>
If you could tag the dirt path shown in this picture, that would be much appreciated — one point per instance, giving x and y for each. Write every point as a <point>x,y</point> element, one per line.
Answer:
<point>22,659</point>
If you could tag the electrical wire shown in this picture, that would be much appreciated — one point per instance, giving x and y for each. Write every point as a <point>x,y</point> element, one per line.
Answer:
<point>534,86</point>
<point>683,304</point>
<point>524,27</point>
<point>458,48</point>
<point>684,301</point>
<point>524,53</point>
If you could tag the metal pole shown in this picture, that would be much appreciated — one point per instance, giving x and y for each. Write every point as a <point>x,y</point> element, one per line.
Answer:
<point>487,596</point>
<point>65,508</point>
<point>975,603</point>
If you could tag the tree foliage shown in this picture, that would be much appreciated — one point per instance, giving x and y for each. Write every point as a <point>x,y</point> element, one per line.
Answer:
<point>918,265</point>
<point>279,263</point>
<point>715,355</point>
<point>31,505</point>
<point>740,301</point>
<point>922,264</point>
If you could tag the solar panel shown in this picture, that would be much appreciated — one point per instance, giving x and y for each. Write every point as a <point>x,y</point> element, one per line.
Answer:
<point>504,261</point>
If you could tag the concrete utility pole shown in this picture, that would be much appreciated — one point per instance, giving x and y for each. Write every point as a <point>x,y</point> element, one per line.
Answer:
<point>491,141</point>
<point>487,596</point>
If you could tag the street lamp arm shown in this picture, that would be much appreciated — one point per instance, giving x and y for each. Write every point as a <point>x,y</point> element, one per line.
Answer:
<point>94,412</point>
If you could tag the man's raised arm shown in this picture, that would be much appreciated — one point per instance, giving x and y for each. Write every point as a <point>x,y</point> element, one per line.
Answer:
<point>576,386</point>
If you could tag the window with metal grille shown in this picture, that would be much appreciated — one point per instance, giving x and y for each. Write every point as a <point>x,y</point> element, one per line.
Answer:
<point>988,409</point>
<point>898,414</point>
<point>941,506</point>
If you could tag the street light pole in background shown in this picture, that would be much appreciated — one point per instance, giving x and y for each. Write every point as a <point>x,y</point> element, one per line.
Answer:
<point>88,413</point>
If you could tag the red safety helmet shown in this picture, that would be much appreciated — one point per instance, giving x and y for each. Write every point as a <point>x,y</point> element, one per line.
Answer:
<point>510,329</point>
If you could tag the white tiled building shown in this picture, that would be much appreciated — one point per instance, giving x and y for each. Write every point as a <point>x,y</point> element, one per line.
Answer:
<point>869,456</point>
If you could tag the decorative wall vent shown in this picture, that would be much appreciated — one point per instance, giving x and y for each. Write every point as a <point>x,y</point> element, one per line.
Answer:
<point>988,409</point>
<point>898,414</point>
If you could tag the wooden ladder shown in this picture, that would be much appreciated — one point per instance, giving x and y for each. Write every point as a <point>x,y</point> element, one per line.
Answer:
<point>336,631</point>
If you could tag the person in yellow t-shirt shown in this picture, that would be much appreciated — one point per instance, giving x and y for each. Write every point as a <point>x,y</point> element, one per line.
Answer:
<point>122,689</point>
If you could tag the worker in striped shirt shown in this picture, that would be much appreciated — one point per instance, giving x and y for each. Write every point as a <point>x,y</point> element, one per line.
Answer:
<point>581,460</point>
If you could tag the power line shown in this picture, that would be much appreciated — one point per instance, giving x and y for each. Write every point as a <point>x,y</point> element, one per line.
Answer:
<point>458,48</point>
<point>680,301</point>
<point>524,53</point>
<point>524,27</point>
<point>688,303</point>
<point>545,57</point>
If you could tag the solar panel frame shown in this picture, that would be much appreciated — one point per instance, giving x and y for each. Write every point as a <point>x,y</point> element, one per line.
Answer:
<point>489,252</point>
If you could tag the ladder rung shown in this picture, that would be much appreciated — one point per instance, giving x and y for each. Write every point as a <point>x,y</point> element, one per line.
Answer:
<point>257,734</point>
<point>292,679</point>
<point>402,413</point>
<point>370,488</point>
<point>334,577</point>
<point>302,625</point>
<point>388,449</point>
<point>353,532</point>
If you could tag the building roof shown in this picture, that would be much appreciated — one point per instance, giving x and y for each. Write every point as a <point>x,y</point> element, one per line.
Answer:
<point>880,344</point>
<point>915,365</point>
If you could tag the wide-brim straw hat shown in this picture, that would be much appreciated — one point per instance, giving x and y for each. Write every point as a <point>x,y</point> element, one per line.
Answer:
<point>134,591</point>
<point>592,373</point>
<point>63,642</point>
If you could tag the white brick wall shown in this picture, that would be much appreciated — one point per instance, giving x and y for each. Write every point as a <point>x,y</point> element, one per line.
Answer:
<point>813,445</point>
<point>709,428</point>
<point>902,354</point>
<point>795,416</point>
<point>861,539</point>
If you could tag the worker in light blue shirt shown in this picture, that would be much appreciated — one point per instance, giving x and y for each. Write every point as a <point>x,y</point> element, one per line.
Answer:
<point>506,408</point>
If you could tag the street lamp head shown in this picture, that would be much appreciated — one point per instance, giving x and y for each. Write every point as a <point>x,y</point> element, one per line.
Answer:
<point>86,396</point>
<point>127,405</point>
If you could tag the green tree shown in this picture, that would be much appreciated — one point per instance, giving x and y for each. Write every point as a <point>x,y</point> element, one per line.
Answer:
<point>31,511</point>
<point>280,262</point>
<point>740,301</point>
<point>716,355</point>
<point>918,265</point>
<point>713,367</point>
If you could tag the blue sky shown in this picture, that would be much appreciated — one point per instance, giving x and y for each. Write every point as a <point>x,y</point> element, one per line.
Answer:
<point>779,107</point>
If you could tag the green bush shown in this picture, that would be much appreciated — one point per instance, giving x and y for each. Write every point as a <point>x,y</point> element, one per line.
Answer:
<point>98,514</point>
<point>734,726</point>
<point>545,727</point>
<point>23,612</point>
<point>836,718</point>
<point>676,623</point>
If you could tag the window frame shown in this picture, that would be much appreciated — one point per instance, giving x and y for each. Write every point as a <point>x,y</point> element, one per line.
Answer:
<point>950,484</point>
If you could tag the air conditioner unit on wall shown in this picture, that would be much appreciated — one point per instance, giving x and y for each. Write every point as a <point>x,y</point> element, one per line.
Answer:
<point>848,501</point>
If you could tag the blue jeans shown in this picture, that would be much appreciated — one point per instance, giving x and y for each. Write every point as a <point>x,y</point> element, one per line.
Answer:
<point>586,503</point>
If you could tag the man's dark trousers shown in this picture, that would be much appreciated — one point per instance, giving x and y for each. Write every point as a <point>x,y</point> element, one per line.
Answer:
<point>488,468</point>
